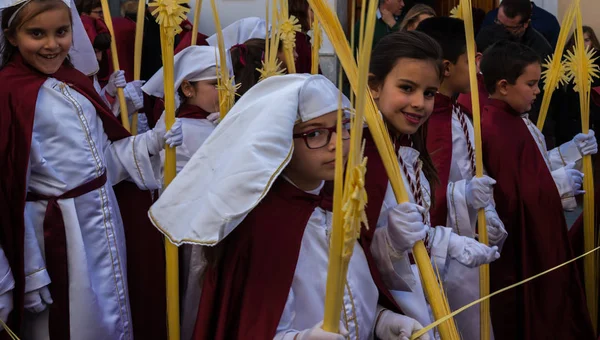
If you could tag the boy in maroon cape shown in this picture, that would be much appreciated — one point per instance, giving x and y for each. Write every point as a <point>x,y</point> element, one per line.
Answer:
<point>451,144</point>
<point>527,200</point>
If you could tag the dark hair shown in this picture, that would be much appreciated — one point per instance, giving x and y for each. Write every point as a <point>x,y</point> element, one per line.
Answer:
<point>385,56</point>
<point>514,8</point>
<point>102,41</point>
<point>449,33</point>
<point>86,6</point>
<point>506,60</point>
<point>414,13</point>
<point>586,29</point>
<point>246,59</point>
<point>21,18</point>
<point>299,9</point>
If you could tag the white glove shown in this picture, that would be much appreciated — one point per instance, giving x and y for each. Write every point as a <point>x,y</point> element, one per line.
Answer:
<point>392,326</point>
<point>214,117</point>
<point>575,179</point>
<point>6,306</point>
<point>317,333</point>
<point>479,192</point>
<point>116,80</point>
<point>586,143</point>
<point>471,253</point>
<point>134,95</point>
<point>405,226</point>
<point>495,228</point>
<point>159,136</point>
<point>37,300</point>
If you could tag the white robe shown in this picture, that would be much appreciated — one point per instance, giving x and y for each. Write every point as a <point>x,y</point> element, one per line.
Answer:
<point>556,159</point>
<point>195,132</point>
<point>399,275</point>
<point>69,148</point>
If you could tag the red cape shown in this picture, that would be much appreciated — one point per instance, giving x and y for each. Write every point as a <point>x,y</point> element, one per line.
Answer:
<point>186,37</point>
<point>191,111</point>
<point>304,50</point>
<point>20,86</point>
<point>439,145</point>
<point>464,99</point>
<point>527,201</point>
<point>125,39</point>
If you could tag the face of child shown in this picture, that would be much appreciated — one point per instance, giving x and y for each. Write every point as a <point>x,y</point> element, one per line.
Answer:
<point>44,40</point>
<point>281,57</point>
<point>587,40</point>
<point>203,94</point>
<point>458,74</point>
<point>407,94</point>
<point>522,94</point>
<point>309,166</point>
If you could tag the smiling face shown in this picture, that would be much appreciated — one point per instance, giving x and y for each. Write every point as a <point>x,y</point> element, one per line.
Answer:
<point>523,93</point>
<point>44,40</point>
<point>308,167</point>
<point>407,94</point>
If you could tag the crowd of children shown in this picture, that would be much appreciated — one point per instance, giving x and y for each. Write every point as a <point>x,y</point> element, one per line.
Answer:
<point>84,210</point>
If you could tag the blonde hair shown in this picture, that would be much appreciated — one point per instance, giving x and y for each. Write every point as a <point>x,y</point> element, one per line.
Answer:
<point>129,7</point>
<point>413,15</point>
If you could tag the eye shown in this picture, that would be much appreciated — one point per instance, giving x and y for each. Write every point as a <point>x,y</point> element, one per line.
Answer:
<point>406,88</point>
<point>313,133</point>
<point>62,32</point>
<point>36,33</point>
<point>429,94</point>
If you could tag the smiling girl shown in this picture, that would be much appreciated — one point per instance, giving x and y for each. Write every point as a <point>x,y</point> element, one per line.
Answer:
<point>62,153</point>
<point>405,76</point>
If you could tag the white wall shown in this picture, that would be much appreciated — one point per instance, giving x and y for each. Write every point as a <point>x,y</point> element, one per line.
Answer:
<point>232,10</point>
<point>549,5</point>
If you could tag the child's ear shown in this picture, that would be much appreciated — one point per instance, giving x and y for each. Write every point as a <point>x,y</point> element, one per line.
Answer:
<point>502,87</point>
<point>447,68</point>
<point>374,87</point>
<point>11,39</point>
<point>188,89</point>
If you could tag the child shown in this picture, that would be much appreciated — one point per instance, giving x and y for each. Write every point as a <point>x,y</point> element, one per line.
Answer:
<point>552,306</point>
<point>451,142</point>
<point>406,68</point>
<point>196,83</point>
<point>62,153</point>
<point>260,207</point>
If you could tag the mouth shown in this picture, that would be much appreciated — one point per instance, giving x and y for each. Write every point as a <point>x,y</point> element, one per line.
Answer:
<point>412,117</point>
<point>49,56</point>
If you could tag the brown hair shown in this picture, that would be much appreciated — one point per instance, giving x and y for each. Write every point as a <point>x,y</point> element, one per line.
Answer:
<point>30,11</point>
<point>246,59</point>
<point>299,9</point>
<point>86,6</point>
<point>385,56</point>
<point>586,29</point>
<point>413,15</point>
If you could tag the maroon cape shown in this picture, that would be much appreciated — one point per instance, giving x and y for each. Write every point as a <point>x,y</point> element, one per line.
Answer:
<point>244,295</point>
<point>20,85</point>
<point>527,201</point>
<point>464,99</point>
<point>191,111</point>
<point>304,50</point>
<point>439,145</point>
<point>186,37</point>
<point>125,40</point>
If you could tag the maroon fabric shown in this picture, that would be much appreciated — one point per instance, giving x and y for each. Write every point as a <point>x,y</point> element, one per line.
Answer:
<point>191,111</point>
<point>124,29</point>
<point>93,27</point>
<point>244,294</point>
<point>464,99</point>
<point>527,201</point>
<point>55,245</point>
<point>20,86</point>
<point>304,50</point>
<point>376,183</point>
<point>596,95</point>
<point>186,37</point>
<point>439,145</point>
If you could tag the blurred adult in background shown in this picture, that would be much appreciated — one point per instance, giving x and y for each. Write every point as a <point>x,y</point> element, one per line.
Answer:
<point>302,11</point>
<point>388,21</point>
<point>415,15</point>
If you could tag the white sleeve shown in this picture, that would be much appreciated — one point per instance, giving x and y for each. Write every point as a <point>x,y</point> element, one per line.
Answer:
<point>394,267</point>
<point>565,189</point>
<point>284,329</point>
<point>460,216</point>
<point>438,247</point>
<point>563,155</point>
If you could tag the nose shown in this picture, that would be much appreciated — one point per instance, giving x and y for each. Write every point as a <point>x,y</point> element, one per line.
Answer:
<point>51,43</point>
<point>417,100</point>
<point>332,141</point>
<point>537,90</point>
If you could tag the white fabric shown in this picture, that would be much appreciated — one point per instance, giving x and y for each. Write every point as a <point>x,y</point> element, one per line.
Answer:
<point>392,326</point>
<point>306,301</point>
<point>480,192</point>
<point>58,162</point>
<point>315,333</point>
<point>586,143</point>
<point>216,190</point>
<point>241,31</point>
<point>471,253</point>
<point>194,63</point>
<point>406,226</point>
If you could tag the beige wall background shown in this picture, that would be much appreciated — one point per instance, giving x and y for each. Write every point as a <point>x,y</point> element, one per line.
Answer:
<point>590,10</point>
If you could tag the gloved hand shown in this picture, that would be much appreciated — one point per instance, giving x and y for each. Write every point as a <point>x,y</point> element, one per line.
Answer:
<point>471,253</point>
<point>37,300</point>
<point>317,333</point>
<point>575,178</point>
<point>479,192</point>
<point>116,80</point>
<point>6,306</point>
<point>586,143</point>
<point>495,228</point>
<point>159,136</point>
<point>214,117</point>
<point>405,226</point>
<point>134,95</point>
<point>392,326</point>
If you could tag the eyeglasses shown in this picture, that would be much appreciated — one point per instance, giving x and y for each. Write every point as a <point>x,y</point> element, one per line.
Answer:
<point>318,138</point>
<point>509,28</point>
